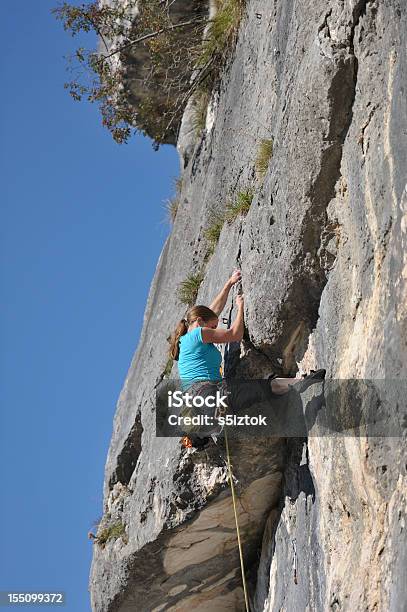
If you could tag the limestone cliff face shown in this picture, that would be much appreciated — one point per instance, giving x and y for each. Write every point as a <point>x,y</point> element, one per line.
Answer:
<point>323,256</point>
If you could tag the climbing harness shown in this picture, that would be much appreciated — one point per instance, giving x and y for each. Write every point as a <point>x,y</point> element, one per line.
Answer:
<point>239,542</point>
<point>194,442</point>
<point>186,442</point>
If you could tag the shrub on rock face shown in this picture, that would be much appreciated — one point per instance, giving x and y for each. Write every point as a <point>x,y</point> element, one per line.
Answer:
<point>200,108</point>
<point>222,30</point>
<point>188,289</point>
<point>239,206</point>
<point>112,532</point>
<point>149,51</point>
<point>212,233</point>
<point>171,205</point>
<point>264,154</point>
<point>142,70</point>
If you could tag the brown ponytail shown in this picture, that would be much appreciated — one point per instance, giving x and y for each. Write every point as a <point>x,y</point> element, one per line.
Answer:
<point>194,313</point>
<point>180,330</point>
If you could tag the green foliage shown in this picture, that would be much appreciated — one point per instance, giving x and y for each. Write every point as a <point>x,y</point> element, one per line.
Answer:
<point>215,49</point>
<point>264,154</point>
<point>112,532</point>
<point>212,233</point>
<point>166,52</point>
<point>239,206</point>
<point>107,20</point>
<point>222,30</point>
<point>171,205</point>
<point>200,108</point>
<point>188,289</point>
<point>168,59</point>
<point>100,76</point>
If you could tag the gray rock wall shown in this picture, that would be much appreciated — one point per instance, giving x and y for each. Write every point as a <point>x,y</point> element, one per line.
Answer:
<point>323,256</point>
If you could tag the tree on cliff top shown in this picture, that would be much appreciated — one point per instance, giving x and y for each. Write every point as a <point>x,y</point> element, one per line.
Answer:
<point>144,42</point>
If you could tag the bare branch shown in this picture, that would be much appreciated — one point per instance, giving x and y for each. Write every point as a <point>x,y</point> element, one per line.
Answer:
<point>153,34</point>
<point>195,84</point>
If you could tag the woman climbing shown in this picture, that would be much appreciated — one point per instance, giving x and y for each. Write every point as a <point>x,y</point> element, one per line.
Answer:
<point>199,361</point>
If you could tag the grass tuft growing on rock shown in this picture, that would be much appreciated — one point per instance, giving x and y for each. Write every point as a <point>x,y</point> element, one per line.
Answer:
<point>217,44</point>
<point>264,153</point>
<point>222,30</point>
<point>112,532</point>
<point>200,109</point>
<point>240,206</point>
<point>171,205</point>
<point>188,289</point>
<point>212,233</point>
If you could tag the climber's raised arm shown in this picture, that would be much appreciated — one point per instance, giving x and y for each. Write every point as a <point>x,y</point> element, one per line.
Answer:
<point>219,302</point>
<point>233,334</point>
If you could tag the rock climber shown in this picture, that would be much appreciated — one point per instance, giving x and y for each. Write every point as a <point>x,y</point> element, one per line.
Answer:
<point>199,361</point>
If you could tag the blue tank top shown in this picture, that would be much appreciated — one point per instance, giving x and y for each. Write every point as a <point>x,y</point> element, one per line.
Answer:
<point>197,361</point>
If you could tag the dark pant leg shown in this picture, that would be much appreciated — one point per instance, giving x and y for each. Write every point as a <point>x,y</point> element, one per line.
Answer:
<point>284,413</point>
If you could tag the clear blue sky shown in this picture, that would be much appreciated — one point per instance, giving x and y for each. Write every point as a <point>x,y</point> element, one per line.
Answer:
<point>81,230</point>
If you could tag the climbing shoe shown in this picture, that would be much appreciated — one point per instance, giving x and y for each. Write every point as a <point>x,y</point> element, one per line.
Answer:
<point>315,377</point>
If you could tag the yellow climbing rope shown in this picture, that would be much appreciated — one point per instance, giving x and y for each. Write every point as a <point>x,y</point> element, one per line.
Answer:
<point>232,488</point>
